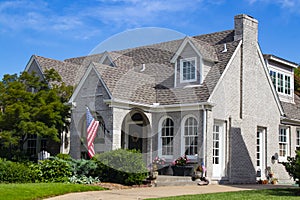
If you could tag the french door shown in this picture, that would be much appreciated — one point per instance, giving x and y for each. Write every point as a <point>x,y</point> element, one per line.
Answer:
<point>218,151</point>
<point>261,153</point>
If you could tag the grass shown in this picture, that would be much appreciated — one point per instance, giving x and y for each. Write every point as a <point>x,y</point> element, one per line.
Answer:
<point>31,191</point>
<point>282,194</point>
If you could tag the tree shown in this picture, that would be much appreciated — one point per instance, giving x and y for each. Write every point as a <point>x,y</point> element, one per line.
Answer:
<point>32,106</point>
<point>292,166</point>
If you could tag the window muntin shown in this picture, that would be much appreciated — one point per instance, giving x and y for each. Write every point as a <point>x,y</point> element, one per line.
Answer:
<point>258,150</point>
<point>273,77</point>
<point>281,82</point>
<point>287,84</point>
<point>216,144</point>
<point>188,67</point>
<point>191,136</point>
<point>167,137</point>
<point>31,144</point>
<point>283,142</point>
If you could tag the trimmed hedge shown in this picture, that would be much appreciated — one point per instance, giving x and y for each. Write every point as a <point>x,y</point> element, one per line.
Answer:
<point>122,166</point>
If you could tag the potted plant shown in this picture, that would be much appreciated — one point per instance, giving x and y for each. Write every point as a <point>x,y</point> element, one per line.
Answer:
<point>274,181</point>
<point>181,168</point>
<point>159,164</point>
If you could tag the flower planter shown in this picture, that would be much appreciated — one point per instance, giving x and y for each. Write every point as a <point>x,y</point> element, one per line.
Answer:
<point>165,170</point>
<point>182,170</point>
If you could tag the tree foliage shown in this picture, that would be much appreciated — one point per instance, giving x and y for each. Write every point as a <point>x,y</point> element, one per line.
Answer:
<point>31,105</point>
<point>292,166</point>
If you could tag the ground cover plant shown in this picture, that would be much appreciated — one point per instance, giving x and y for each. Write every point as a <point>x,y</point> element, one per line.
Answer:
<point>31,191</point>
<point>274,194</point>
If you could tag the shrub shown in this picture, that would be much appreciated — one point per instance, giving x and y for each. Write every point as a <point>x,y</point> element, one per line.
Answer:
<point>292,166</point>
<point>84,168</point>
<point>122,166</point>
<point>64,156</point>
<point>53,170</point>
<point>13,172</point>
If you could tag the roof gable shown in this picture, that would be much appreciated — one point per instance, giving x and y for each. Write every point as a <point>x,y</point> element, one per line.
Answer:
<point>204,50</point>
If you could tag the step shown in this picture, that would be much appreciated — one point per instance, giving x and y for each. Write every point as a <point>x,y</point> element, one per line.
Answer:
<point>165,180</point>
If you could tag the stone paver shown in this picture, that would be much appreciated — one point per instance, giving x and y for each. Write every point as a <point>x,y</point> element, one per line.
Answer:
<point>154,192</point>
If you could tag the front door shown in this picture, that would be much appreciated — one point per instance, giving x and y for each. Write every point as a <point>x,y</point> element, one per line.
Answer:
<point>218,151</point>
<point>135,137</point>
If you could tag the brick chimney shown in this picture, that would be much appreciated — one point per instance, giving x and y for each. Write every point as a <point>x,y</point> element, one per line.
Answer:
<point>246,28</point>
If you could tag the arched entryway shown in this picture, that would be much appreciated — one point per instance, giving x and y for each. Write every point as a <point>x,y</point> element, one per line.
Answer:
<point>135,129</point>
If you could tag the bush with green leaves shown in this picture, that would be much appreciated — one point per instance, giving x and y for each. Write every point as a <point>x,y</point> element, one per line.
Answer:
<point>84,167</point>
<point>14,172</point>
<point>122,166</point>
<point>53,170</point>
<point>292,166</point>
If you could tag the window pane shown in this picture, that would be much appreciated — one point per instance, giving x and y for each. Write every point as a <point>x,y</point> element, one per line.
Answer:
<point>167,136</point>
<point>191,136</point>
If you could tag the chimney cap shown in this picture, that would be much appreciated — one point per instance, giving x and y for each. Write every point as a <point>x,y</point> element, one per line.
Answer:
<point>246,17</point>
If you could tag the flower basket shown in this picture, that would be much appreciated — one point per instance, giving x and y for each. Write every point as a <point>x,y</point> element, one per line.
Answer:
<point>181,168</point>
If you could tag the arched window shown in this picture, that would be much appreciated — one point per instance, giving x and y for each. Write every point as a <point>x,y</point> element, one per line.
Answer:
<point>191,136</point>
<point>167,136</point>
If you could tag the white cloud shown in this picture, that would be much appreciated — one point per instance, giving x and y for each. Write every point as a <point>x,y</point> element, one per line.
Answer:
<point>41,15</point>
<point>291,5</point>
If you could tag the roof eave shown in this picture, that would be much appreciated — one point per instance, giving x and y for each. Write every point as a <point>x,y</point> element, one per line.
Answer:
<point>156,107</point>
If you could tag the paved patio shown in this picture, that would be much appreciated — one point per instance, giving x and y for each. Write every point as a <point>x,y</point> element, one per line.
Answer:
<point>155,192</point>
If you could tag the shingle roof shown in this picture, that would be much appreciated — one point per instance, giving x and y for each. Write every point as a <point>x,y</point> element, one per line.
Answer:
<point>292,110</point>
<point>145,74</point>
<point>66,70</point>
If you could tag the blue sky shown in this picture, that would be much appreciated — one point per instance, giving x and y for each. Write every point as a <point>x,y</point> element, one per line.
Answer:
<point>63,29</point>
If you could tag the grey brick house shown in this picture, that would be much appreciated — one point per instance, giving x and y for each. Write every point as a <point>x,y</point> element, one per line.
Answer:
<point>215,98</point>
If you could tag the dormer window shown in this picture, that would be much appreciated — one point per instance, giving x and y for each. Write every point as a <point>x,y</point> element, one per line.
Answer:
<point>188,69</point>
<point>281,82</point>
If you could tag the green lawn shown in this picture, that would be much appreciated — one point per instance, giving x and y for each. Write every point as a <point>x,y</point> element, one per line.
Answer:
<point>40,190</point>
<point>247,195</point>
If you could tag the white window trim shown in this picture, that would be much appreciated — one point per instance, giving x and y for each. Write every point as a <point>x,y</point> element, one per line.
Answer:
<point>283,82</point>
<point>297,138</point>
<point>181,69</point>
<point>284,158</point>
<point>183,136</point>
<point>160,138</point>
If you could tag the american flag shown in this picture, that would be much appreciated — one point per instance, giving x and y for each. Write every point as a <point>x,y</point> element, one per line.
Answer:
<point>92,127</point>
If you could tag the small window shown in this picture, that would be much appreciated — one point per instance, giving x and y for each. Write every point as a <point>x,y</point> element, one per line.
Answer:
<point>281,82</point>
<point>188,70</point>
<point>32,144</point>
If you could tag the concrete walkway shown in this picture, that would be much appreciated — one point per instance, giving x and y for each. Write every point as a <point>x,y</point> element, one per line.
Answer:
<point>155,192</point>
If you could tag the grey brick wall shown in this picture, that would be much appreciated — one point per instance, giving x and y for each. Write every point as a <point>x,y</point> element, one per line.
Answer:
<point>91,94</point>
